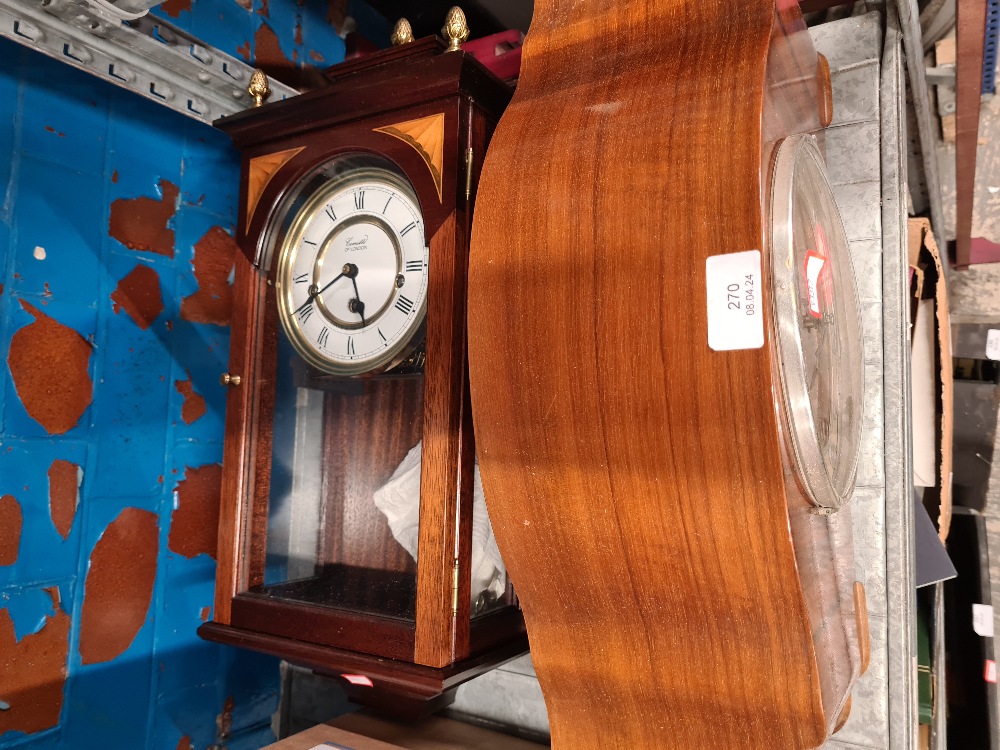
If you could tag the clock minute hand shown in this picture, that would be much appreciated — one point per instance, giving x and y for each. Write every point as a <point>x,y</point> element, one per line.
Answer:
<point>327,286</point>
<point>348,270</point>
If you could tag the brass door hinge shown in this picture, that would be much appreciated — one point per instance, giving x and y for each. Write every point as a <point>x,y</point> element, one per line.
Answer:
<point>454,590</point>
<point>469,159</point>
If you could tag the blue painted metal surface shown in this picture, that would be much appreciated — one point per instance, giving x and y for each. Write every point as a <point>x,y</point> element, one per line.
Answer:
<point>70,145</point>
<point>991,43</point>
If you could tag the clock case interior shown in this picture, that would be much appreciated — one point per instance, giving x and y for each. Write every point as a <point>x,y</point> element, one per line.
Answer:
<point>366,607</point>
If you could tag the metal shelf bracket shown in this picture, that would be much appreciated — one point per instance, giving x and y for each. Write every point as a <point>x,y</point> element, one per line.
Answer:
<point>130,49</point>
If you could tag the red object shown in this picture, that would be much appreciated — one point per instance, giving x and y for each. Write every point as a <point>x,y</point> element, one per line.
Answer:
<point>501,53</point>
<point>815,263</point>
<point>356,45</point>
<point>990,671</point>
<point>358,679</point>
<point>984,251</point>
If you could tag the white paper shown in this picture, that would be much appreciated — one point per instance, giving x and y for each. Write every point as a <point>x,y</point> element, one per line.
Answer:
<point>923,400</point>
<point>735,311</point>
<point>993,344</point>
<point>982,620</point>
<point>399,501</point>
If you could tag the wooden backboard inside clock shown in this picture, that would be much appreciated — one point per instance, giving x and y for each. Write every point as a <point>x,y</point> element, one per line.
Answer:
<point>678,587</point>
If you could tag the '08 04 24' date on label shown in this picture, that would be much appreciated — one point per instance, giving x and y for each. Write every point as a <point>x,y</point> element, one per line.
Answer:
<point>735,316</point>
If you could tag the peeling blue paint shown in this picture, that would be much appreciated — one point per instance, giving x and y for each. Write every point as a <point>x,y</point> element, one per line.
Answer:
<point>28,609</point>
<point>70,145</point>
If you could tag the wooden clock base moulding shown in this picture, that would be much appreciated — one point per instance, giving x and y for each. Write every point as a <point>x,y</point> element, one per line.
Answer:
<point>689,595</point>
<point>402,689</point>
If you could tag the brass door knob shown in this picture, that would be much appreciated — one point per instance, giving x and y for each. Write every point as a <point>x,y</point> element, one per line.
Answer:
<point>230,380</point>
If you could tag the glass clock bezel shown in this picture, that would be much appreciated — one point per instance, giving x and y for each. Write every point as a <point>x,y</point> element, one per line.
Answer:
<point>290,220</point>
<point>824,491</point>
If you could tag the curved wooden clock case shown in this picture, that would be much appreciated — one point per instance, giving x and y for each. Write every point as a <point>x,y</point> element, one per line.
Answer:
<point>679,588</point>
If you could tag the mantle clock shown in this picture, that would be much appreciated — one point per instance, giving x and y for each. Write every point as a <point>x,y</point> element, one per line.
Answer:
<point>672,406</point>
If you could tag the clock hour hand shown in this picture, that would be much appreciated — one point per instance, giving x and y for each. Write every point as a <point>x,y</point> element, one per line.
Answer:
<point>356,305</point>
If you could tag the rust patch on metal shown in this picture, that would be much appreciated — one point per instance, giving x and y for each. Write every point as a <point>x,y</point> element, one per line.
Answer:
<point>184,743</point>
<point>316,56</point>
<point>224,721</point>
<point>141,223</point>
<point>114,176</point>
<point>139,294</point>
<point>48,362</point>
<point>214,255</point>
<point>194,407</point>
<point>194,524</point>
<point>336,13</point>
<point>33,672</point>
<point>243,50</point>
<point>64,494</point>
<point>205,612</point>
<point>174,8</point>
<point>11,520</point>
<point>269,57</point>
<point>119,585</point>
<point>245,4</point>
<point>264,9</point>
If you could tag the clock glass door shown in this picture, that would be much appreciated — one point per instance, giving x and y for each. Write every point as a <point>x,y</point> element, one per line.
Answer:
<point>343,448</point>
<point>348,264</point>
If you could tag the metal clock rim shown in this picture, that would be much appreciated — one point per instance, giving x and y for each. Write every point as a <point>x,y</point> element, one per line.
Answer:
<point>392,355</point>
<point>806,454</point>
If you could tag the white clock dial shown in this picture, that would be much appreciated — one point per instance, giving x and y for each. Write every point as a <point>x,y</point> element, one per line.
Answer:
<point>352,274</point>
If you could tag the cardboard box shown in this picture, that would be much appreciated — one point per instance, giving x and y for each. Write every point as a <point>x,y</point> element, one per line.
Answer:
<point>931,376</point>
<point>366,731</point>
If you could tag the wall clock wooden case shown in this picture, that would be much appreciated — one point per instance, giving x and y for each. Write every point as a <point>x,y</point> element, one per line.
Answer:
<point>672,408</point>
<point>348,539</point>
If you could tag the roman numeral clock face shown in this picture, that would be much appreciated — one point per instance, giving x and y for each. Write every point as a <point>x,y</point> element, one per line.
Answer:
<point>352,275</point>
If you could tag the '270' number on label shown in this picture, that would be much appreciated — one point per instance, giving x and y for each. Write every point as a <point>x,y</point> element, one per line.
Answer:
<point>747,301</point>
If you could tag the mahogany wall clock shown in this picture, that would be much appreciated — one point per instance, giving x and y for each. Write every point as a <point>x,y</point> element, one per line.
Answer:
<point>351,539</point>
<point>671,408</point>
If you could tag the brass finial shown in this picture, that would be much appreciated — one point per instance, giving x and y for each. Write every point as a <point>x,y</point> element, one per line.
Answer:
<point>258,88</point>
<point>401,33</point>
<point>455,30</point>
